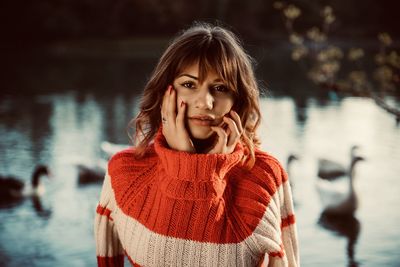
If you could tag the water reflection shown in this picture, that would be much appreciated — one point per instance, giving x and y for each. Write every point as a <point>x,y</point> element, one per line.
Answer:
<point>328,132</point>
<point>37,205</point>
<point>301,110</point>
<point>68,128</point>
<point>41,210</point>
<point>345,226</point>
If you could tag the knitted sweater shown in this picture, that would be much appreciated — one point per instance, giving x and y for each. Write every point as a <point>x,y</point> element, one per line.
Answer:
<point>174,208</point>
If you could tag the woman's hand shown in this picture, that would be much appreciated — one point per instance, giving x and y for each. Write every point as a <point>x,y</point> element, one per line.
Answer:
<point>173,127</point>
<point>227,139</point>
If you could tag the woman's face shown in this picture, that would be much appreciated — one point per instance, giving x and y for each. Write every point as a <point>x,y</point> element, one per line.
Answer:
<point>206,103</point>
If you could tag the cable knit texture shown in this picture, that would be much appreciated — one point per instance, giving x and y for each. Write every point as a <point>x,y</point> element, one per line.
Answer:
<point>173,208</point>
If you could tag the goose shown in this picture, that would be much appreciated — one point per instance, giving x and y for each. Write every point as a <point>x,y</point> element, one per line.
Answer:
<point>12,189</point>
<point>91,173</point>
<point>331,170</point>
<point>110,148</point>
<point>336,185</point>
<point>289,161</point>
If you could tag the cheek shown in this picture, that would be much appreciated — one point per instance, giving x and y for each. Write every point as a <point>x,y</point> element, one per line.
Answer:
<point>180,96</point>
<point>224,106</point>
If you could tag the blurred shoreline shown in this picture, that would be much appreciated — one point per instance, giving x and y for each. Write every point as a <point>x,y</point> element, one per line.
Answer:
<point>152,47</point>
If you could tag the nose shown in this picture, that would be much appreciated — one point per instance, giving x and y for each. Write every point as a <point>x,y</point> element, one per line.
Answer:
<point>204,100</point>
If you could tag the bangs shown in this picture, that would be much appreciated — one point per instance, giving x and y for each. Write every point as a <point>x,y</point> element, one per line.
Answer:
<point>212,56</point>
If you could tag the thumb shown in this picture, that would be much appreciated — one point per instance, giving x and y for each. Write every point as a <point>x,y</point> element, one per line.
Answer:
<point>222,140</point>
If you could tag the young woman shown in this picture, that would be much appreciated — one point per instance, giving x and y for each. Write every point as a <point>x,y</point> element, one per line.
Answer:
<point>196,190</point>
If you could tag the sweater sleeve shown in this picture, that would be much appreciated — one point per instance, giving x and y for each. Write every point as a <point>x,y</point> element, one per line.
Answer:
<point>109,250</point>
<point>275,233</point>
<point>289,254</point>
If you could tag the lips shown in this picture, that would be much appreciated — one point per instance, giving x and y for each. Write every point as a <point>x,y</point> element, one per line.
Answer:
<point>203,120</point>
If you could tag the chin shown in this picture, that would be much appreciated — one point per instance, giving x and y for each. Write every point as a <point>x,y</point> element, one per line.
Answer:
<point>200,132</point>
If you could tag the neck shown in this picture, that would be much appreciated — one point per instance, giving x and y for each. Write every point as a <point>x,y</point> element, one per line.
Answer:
<point>35,180</point>
<point>204,145</point>
<point>351,171</point>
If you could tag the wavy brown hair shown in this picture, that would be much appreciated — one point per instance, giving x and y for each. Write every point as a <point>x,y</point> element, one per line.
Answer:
<point>214,48</point>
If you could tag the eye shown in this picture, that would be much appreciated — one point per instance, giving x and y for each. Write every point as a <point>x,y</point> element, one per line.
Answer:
<point>221,88</point>
<point>189,85</point>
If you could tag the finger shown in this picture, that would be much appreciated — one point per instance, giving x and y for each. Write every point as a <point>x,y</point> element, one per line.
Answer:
<point>222,140</point>
<point>172,101</point>
<point>237,120</point>
<point>164,103</point>
<point>233,135</point>
<point>180,118</point>
<point>164,112</point>
<point>171,107</point>
<point>228,132</point>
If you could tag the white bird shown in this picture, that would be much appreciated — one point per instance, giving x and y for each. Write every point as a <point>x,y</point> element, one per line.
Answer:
<point>289,161</point>
<point>336,185</point>
<point>110,148</point>
<point>13,189</point>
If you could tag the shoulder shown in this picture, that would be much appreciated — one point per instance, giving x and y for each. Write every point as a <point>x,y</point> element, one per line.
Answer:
<point>128,174</point>
<point>265,178</point>
<point>268,165</point>
<point>126,161</point>
<point>258,189</point>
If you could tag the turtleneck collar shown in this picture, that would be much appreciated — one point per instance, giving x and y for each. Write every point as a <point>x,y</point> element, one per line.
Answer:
<point>206,172</point>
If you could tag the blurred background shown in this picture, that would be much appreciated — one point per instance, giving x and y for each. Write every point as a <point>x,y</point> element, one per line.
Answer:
<point>72,73</point>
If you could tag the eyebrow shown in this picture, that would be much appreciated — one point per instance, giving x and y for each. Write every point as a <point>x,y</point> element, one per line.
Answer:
<point>188,75</point>
<point>196,78</point>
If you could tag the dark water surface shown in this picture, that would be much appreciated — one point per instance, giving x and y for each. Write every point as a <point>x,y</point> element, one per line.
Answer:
<point>66,121</point>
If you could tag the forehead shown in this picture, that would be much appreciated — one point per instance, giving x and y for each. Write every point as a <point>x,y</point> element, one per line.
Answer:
<point>193,70</point>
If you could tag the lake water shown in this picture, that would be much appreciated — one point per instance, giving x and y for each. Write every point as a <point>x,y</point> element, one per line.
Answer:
<point>65,124</point>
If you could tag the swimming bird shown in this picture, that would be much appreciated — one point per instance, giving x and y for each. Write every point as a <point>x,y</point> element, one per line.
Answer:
<point>91,173</point>
<point>331,170</point>
<point>336,185</point>
<point>12,189</point>
<point>110,148</point>
<point>289,161</point>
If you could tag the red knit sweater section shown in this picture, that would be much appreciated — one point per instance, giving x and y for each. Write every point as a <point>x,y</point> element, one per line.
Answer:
<point>208,198</point>
<point>186,195</point>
